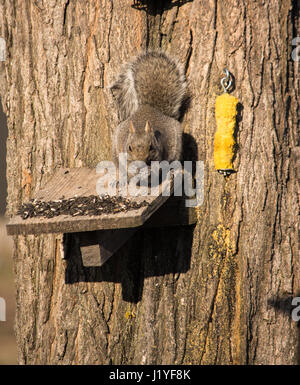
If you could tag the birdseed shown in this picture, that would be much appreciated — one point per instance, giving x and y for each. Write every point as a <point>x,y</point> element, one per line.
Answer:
<point>78,206</point>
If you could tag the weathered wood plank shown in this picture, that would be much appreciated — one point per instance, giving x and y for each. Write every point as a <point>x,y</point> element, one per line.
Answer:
<point>69,183</point>
<point>98,246</point>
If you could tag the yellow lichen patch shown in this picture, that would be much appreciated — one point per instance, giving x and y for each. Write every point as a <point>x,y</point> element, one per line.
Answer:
<point>225,112</point>
<point>211,336</point>
<point>219,249</point>
<point>221,235</point>
<point>129,315</point>
<point>198,213</point>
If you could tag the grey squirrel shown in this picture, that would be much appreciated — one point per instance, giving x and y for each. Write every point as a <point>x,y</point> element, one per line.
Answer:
<point>149,93</point>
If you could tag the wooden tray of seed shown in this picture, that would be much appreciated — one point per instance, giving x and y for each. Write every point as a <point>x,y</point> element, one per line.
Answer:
<point>69,203</point>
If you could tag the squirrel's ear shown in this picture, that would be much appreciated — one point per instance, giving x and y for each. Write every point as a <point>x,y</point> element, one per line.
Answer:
<point>131,127</point>
<point>148,127</point>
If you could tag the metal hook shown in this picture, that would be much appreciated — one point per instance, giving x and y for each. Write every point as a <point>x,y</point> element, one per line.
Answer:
<point>226,81</point>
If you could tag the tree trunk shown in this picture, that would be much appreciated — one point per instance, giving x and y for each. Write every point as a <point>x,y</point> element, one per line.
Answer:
<point>216,293</point>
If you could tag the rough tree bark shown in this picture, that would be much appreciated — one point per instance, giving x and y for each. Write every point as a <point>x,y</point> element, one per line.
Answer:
<point>219,292</point>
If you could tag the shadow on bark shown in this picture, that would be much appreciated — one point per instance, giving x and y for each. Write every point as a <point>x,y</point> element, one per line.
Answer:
<point>284,305</point>
<point>239,118</point>
<point>149,253</point>
<point>154,7</point>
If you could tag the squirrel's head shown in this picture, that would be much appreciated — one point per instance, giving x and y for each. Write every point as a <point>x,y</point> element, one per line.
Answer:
<point>140,143</point>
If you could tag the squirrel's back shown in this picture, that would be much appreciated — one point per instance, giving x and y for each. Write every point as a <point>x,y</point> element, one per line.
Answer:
<point>153,79</point>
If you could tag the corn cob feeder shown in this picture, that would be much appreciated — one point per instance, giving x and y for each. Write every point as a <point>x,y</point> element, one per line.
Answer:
<point>225,112</point>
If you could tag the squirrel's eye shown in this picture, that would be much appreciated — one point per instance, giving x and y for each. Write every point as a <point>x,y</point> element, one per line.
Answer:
<point>129,148</point>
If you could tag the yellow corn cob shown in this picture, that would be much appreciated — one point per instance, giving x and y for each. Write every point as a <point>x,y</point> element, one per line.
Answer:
<point>225,112</point>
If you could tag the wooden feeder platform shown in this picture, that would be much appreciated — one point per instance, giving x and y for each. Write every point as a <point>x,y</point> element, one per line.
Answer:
<point>100,236</point>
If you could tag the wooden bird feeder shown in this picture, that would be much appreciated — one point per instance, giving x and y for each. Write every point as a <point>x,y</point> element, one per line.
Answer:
<point>100,236</point>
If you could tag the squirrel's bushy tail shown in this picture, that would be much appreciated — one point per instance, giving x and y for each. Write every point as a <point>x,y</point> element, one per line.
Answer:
<point>153,78</point>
